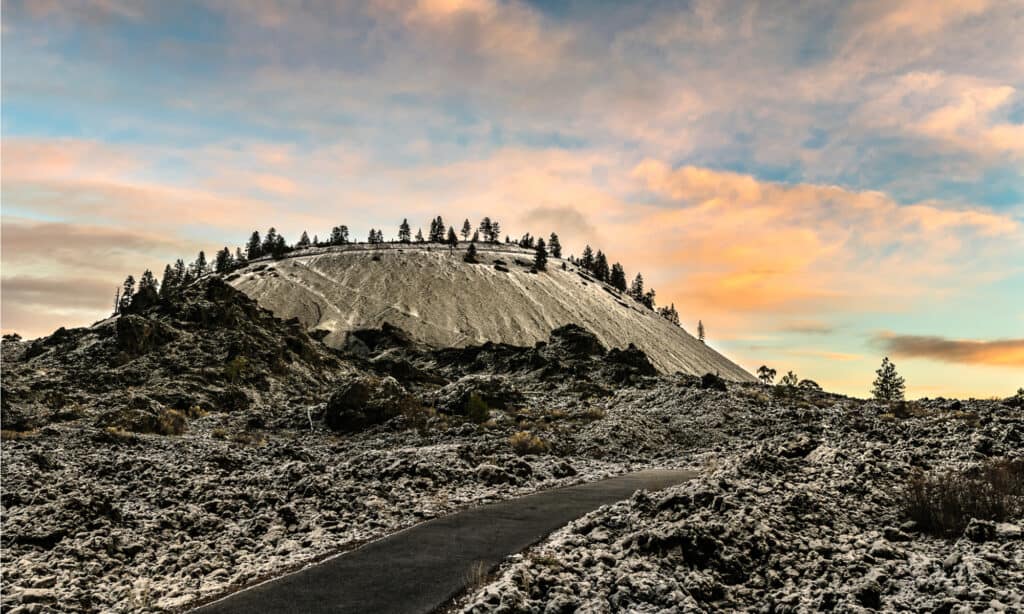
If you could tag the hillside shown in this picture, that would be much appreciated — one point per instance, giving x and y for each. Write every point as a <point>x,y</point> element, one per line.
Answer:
<point>445,302</point>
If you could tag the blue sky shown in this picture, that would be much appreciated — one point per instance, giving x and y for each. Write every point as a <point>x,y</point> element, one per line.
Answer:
<point>820,183</point>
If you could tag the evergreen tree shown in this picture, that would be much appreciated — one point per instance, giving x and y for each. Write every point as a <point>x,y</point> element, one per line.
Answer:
<point>554,246</point>
<point>587,260</point>
<point>485,229</point>
<point>766,375</point>
<point>339,235</point>
<point>495,232</point>
<point>601,266</point>
<point>148,282</point>
<point>316,240</point>
<point>437,230</point>
<point>254,248</point>
<point>470,253</point>
<point>169,284</point>
<point>419,235</point>
<point>127,293</point>
<point>617,277</point>
<point>889,386</point>
<point>453,239</point>
<point>117,301</point>
<point>280,247</point>
<point>199,267</point>
<point>700,331</point>
<point>222,263</point>
<point>540,256</point>
<point>476,236</point>
<point>637,289</point>
<point>789,379</point>
<point>466,229</point>
<point>404,234</point>
<point>303,241</point>
<point>809,384</point>
<point>648,299</point>
<point>180,272</point>
<point>380,236</point>
<point>269,241</point>
<point>670,314</point>
<point>239,258</point>
<point>373,236</point>
<point>526,241</point>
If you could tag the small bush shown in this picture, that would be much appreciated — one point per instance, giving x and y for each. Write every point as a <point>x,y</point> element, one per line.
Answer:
<point>119,435</point>
<point>8,435</point>
<point>593,414</point>
<point>171,422</point>
<point>196,412</point>
<point>477,409</point>
<point>219,433</point>
<point>523,443</point>
<point>943,504</point>
<point>236,369</point>
<point>418,416</point>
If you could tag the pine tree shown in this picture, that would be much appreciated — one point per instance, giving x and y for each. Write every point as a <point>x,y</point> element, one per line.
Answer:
<point>404,234</point>
<point>222,262</point>
<point>587,260</point>
<point>466,229</point>
<point>470,254</point>
<point>253,249</point>
<point>269,241</point>
<point>127,293</point>
<point>637,289</point>
<point>437,230</point>
<point>280,247</point>
<point>380,236</point>
<point>495,231</point>
<point>452,238</point>
<point>147,294</point>
<point>148,282</point>
<point>526,241</point>
<point>476,236</point>
<point>117,301</point>
<point>168,285</point>
<point>180,272</point>
<point>373,236</point>
<point>700,331</point>
<point>554,246</point>
<point>316,240</point>
<point>303,241</point>
<point>419,235</point>
<point>339,235</point>
<point>789,379</point>
<point>540,256</point>
<point>485,229</point>
<point>239,258</point>
<point>766,375</point>
<point>199,267</point>
<point>670,314</point>
<point>648,299</point>
<point>889,386</point>
<point>601,266</point>
<point>617,277</point>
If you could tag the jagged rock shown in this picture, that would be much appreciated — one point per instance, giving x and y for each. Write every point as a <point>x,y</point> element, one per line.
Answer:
<point>364,402</point>
<point>496,391</point>
<point>710,381</point>
<point>137,335</point>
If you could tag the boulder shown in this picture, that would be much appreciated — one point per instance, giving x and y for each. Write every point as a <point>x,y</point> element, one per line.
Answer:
<point>364,402</point>
<point>137,335</point>
<point>495,390</point>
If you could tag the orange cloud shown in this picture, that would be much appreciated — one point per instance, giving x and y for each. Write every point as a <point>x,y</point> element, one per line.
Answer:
<point>1002,352</point>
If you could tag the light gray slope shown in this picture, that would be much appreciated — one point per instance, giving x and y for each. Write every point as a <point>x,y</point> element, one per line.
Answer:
<point>431,293</point>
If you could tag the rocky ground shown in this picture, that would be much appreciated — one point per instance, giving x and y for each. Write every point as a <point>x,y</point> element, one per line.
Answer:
<point>197,444</point>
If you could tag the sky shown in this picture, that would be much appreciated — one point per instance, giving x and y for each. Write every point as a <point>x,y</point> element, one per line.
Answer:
<point>821,183</point>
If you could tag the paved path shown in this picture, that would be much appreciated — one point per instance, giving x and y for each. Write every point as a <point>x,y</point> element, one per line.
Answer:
<point>421,568</point>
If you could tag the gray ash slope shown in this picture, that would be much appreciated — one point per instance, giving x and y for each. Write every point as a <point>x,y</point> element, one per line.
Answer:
<point>445,302</point>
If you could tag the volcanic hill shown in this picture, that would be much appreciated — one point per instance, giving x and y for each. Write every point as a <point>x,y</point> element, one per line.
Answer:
<point>443,301</point>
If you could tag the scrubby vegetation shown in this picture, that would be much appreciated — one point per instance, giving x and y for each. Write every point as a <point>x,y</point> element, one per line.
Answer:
<point>944,503</point>
<point>524,442</point>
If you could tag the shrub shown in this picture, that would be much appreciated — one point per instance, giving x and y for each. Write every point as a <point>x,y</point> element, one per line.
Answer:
<point>477,409</point>
<point>943,504</point>
<point>236,369</point>
<point>418,416</point>
<point>9,435</point>
<point>593,413</point>
<point>523,442</point>
<point>171,422</point>
<point>219,433</point>
<point>119,435</point>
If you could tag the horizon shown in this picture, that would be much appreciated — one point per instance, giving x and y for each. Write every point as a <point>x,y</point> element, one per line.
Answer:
<point>821,187</point>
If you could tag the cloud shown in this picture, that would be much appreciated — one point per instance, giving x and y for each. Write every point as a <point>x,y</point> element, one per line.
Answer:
<point>808,327</point>
<point>1002,352</point>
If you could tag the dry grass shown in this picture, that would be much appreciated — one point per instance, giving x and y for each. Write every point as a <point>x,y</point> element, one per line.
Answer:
<point>418,416</point>
<point>120,435</point>
<point>196,412</point>
<point>944,503</point>
<point>6,435</point>
<point>247,438</point>
<point>171,422</point>
<point>219,433</point>
<point>593,414</point>
<point>523,443</point>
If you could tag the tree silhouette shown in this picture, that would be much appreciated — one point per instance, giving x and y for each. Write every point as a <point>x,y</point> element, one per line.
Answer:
<point>199,267</point>
<point>648,298</point>
<point>888,386</point>
<point>485,229</point>
<point>303,241</point>
<point>169,284</point>
<point>540,256</point>
<point>766,375</point>
<point>222,261</point>
<point>600,266</point>
<point>466,229</point>
<point>617,277</point>
<point>419,235</point>
<point>637,289</point>
<point>670,314</point>
<point>470,254</point>
<point>452,238</point>
<point>700,331</point>
<point>789,379</point>
<point>339,235</point>
<point>495,232</point>
<point>587,259</point>
<point>254,248</point>
<point>269,240</point>
<point>809,384</point>
<point>127,292</point>
<point>404,235</point>
<point>554,246</point>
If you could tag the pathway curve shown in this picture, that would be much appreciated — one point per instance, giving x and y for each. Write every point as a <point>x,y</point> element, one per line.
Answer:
<point>421,568</point>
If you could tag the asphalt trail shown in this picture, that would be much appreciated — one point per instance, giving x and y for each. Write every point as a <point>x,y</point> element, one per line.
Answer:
<point>421,568</point>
